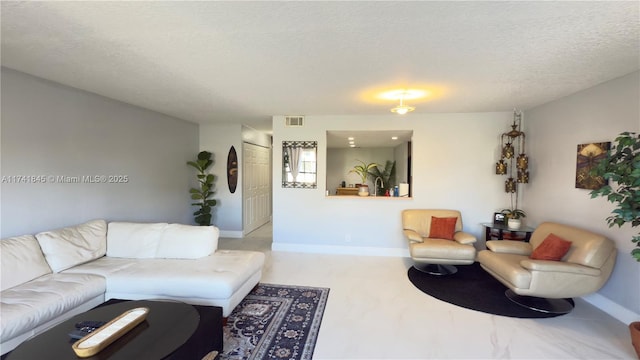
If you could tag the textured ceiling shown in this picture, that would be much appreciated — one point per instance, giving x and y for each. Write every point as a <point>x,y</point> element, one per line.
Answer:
<point>243,62</point>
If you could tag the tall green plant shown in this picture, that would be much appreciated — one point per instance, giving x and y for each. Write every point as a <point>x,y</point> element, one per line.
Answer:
<point>388,175</point>
<point>622,166</point>
<point>205,192</point>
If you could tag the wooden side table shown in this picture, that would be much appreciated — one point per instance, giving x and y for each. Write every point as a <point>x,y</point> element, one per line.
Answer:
<point>501,231</point>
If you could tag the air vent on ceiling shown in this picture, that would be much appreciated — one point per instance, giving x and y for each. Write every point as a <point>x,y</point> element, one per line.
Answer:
<point>294,120</point>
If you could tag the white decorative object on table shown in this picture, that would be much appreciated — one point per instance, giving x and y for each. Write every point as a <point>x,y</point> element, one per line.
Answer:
<point>514,224</point>
<point>110,332</point>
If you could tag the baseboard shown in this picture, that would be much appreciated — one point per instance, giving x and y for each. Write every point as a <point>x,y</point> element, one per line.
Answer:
<point>231,234</point>
<point>340,250</point>
<point>619,312</point>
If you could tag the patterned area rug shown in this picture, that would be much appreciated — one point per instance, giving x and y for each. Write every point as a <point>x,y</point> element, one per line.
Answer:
<point>275,322</point>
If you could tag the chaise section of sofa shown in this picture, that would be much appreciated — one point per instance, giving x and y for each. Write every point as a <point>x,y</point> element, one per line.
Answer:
<point>222,279</point>
<point>57,274</point>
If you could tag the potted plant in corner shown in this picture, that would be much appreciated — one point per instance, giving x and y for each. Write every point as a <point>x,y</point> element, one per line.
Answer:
<point>514,217</point>
<point>622,166</point>
<point>203,194</point>
<point>363,171</point>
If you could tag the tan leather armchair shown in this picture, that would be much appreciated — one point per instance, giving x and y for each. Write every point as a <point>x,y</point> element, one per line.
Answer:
<point>434,255</point>
<point>545,285</point>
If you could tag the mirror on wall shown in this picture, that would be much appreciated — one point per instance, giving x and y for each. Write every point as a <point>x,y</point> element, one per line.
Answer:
<point>299,165</point>
<point>391,149</point>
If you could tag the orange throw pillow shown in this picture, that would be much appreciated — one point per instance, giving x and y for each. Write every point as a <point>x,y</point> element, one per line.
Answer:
<point>552,248</point>
<point>442,228</point>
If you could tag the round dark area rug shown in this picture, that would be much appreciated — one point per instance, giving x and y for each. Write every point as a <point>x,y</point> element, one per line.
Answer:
<point>472,288</point>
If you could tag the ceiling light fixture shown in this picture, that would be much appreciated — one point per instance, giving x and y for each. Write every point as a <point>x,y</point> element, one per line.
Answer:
<point>402,109</point>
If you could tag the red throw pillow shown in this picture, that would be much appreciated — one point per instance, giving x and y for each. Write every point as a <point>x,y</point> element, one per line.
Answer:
<point>442,228</point>
<point>552,248</point>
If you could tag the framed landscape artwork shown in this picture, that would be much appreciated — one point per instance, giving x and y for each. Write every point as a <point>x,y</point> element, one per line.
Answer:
<point>588,155</point>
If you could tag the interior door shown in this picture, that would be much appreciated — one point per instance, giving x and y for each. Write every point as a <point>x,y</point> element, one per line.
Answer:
<point>256,182</point>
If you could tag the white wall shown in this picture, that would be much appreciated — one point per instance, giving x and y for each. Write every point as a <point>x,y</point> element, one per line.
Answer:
<point>553,132</point>
<point>53,130</point>
<point>453,167</point>
<point>402,169</point>
<point>218,139</point>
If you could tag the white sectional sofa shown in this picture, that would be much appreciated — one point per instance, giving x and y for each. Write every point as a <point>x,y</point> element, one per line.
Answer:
<point>54,275</point>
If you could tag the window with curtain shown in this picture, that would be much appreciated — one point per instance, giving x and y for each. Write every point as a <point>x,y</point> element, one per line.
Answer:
<point>299,164</point>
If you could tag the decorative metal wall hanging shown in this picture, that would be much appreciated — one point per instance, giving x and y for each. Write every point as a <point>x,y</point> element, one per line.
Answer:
<point>515,167</point>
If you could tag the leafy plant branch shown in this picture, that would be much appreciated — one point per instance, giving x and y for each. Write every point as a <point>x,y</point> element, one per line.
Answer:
<point>388,175</point>
<point>363,170</point>
<point>622,166</point>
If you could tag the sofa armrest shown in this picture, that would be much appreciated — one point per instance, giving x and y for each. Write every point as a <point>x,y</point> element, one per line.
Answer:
<point>510,247</point>
<point>412,236</point>
<point>559,266</point>
<point>464,238</point>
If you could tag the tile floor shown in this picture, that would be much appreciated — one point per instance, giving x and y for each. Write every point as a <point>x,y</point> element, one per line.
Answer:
<point>374,312</point>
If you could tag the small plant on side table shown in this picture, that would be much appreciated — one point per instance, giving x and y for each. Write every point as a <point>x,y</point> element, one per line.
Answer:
<point>514,217</point>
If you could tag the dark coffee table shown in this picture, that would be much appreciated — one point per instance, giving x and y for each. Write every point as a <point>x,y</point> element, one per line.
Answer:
<point>172,330</point>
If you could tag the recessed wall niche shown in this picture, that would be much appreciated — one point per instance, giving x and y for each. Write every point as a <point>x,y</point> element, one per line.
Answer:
<point>369,146</point>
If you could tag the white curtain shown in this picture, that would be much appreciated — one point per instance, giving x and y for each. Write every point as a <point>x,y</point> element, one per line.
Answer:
<point>294,160</point>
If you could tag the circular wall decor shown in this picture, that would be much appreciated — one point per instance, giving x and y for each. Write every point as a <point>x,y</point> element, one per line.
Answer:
<point>232,170</point>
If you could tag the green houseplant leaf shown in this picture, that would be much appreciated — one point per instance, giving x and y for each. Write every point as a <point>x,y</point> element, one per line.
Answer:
<point>363,170</point>
<point>622,166</point>
<point>202,216</point>
<point>388,175</point>
<point>514,213</point>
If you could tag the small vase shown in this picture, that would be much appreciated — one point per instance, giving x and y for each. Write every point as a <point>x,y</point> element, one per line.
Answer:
<point>634,330</point>
<point>514,224</point>
<point>363,190</point>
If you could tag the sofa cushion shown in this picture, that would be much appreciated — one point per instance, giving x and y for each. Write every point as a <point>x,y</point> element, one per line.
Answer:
<point>506,267</point>
<point>57,294</point>
<point>21,260</point>
<point>160,240</point>
<point>70,246</point>
<point>442,228</point>
<point>442,249</point>
<point>552,248</point>
<point>133,240</point>
<point>187,242</point>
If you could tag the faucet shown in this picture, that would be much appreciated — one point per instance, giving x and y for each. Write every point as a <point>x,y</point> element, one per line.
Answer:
<point>375,185</point>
